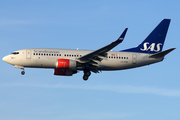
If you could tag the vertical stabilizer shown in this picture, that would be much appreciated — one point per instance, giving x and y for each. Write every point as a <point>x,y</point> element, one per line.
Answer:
<point>154,41</point>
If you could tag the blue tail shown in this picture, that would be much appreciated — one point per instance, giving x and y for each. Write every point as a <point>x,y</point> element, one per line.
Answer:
<point>154,41</point>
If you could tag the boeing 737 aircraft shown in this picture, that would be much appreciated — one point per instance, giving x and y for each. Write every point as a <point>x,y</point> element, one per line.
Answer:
<point>68,62</point>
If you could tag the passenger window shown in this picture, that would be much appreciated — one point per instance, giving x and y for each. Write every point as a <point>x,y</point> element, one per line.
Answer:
<point>41,53</point>
<point>34,54</point>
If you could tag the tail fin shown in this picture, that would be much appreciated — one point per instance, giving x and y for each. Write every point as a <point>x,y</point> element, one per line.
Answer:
<point>154,41</point>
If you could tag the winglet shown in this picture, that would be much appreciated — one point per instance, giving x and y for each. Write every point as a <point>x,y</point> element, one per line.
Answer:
<point>122,36</point>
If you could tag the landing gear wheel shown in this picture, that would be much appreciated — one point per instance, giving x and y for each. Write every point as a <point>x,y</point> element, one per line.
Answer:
<point>22,72</point>
<point>85,77</point>
<point>88,73</point>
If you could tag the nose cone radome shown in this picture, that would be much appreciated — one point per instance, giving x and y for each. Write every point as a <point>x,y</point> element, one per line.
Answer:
<point>5,59</point>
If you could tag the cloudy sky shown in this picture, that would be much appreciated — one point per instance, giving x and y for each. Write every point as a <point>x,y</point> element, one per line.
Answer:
<point>150,92</point>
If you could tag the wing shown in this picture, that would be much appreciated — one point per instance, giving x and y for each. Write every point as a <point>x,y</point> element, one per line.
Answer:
<point>97,56</point>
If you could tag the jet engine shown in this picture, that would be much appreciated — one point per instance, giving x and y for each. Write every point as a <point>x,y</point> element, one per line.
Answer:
<point>64,72</point>
<point>66,64</point>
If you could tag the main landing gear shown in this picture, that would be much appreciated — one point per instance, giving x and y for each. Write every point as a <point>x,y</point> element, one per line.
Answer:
<point>87,73</point>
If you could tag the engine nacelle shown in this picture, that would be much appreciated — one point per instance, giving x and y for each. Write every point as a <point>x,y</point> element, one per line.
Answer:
<point>66,64</point>
<point>64,72</point>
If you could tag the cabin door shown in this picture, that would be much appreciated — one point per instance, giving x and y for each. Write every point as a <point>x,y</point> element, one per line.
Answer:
<point>28,54</point>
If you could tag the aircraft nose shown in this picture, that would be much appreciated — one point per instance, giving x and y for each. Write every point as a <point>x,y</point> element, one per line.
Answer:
<point>5,59</point>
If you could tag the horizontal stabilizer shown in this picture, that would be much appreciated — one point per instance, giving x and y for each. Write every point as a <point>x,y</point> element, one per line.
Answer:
<point>161,54</point>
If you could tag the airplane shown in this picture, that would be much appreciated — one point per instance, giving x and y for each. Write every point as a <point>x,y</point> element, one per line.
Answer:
<point>67,62</point>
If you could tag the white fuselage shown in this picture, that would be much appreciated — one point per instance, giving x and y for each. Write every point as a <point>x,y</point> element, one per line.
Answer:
<point>68,62</point>
<point>47,58</point>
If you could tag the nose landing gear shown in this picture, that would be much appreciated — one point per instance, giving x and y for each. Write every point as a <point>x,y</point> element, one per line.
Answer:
<point>20,67</point>
<point>22,72</point>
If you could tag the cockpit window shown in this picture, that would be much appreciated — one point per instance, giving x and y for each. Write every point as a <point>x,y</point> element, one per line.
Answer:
<point>15,53</point>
